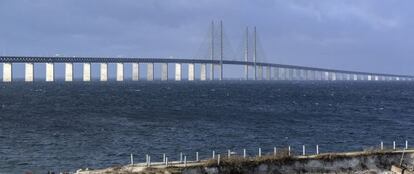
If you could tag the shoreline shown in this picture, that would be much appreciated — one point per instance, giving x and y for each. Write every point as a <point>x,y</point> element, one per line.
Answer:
<point>380,161</point>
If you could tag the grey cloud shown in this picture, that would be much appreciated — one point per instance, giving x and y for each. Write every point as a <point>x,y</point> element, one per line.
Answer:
<point>356,35</point>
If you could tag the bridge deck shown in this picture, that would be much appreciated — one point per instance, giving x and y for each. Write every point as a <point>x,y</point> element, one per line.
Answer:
<point>38,59</point>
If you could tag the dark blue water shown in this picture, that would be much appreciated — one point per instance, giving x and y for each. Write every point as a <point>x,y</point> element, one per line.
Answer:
<point>63,127</point>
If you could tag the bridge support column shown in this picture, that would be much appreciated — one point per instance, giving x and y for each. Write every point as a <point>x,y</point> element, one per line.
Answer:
<point>211,71</point>
<point>275,73</point>
<point>50,74</point>
<point>338,76</point>
<point>333,76</point>
<point>355,77</point>
<point>297,74</point>
<point>348,76</point>
<point>268,73</point>
<point>150,71</point>
<point>119,72</point>
<point>203,71</point>
<point>289,74</point>
<point>164,71</point>
<point>7,72</point>
<point>310,75</point>
<point>326,76</point>
<point>260,72</point>
<point>302,74</point>
<point>28,72</point>
<point>369,77</point>
<point>282,73</point>
<point>178,72</point>
<point>103,72</point>
<point>376,78</point>
<point>246,72</point>
<point>218,66</point>
<point>87,72</point>
<point>191,72</point>
<point>68,72</point>
<point>135,71</point>
<point>292,74</point>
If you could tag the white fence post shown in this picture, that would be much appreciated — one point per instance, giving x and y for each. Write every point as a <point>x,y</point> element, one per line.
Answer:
<point>260,152</point>
<point>303,150</point>
<point>289,151</point>
<point>406,144</point>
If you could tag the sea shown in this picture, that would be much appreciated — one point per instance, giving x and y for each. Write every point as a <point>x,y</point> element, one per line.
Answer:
<point>63,127</point>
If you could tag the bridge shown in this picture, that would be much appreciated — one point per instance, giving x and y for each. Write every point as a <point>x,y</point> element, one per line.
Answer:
<point>262,70</point>
<point>209,68</point>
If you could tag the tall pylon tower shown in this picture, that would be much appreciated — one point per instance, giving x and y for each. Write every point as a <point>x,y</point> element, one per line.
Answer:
<point>246,54</point>
<point>221,50</point>
<point>213,50</point>
<point>255,53</point>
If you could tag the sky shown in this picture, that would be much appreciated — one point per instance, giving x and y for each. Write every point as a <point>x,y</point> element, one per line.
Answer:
<point>360,35</point>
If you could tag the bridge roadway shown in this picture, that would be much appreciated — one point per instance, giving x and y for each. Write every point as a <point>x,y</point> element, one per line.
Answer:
<point>35,59</point>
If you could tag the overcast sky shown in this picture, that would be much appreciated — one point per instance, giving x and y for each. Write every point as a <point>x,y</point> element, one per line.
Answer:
<point>361,35</point>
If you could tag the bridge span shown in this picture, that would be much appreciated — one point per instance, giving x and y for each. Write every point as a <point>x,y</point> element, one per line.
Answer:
<point>260,70</point>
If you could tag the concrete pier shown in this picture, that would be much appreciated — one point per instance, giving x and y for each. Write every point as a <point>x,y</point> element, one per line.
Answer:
<point>219,70</point>
<point>50,72</point>
<point>259,72</point>
<point>103,72</point>
<point>246,72</point>
<point>310,75</point>
<point>178,72</point>
<point>7,72</point>
<point>119,72</point>
<point>135,71</point>
<point>164,71</point>
<point>150,71</point>
<point>302,75</point>
<point>275,73</point>
<point>326,76</point>
<point>68,72</point>
<point>87,72</point>
<point>28,72</point>
<point>347,77</point>
<point>282,73</point>
<point>211,71</point>
<point>191,72</point>
<point>203,72</point>
<point>333,74</point>
<point>289,74</point>
<point>268,73</point>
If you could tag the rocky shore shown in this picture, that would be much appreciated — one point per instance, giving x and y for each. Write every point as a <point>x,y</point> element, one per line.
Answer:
<point>352,162</point>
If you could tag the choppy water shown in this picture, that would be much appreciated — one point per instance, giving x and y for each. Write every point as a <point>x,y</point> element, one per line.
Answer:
<point>63,127</point>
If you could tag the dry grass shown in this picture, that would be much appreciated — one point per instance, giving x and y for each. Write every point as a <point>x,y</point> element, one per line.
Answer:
<point>282,157</point>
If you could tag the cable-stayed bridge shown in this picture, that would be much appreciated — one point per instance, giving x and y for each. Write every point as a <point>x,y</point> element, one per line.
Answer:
<point>211,66</point>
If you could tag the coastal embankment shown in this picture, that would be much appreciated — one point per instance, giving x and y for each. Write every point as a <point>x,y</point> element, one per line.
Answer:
<point>351,162</point>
